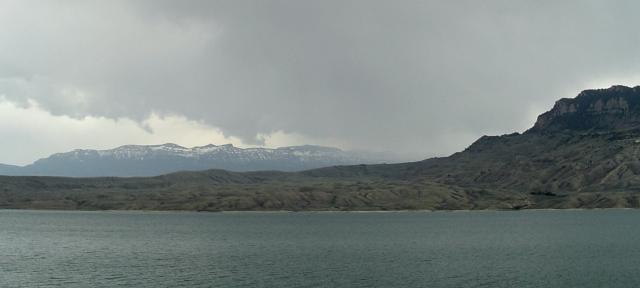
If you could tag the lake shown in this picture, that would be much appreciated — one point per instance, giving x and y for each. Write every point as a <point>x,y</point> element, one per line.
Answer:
<point>596,248</point>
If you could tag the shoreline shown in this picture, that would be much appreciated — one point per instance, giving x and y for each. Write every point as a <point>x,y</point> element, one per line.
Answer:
<point>310,211</point>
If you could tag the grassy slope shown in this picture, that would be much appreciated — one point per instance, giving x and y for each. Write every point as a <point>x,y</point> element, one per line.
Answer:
<point>220,190</point>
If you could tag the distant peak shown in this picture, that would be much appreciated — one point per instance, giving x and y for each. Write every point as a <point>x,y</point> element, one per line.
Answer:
<point>171,145</point>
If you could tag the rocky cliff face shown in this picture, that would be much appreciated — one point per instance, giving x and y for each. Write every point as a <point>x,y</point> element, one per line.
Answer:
<point>615,108</point>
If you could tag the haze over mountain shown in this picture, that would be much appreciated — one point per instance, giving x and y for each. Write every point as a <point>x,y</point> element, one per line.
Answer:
<point>583,153</point>
<point>152,160</point>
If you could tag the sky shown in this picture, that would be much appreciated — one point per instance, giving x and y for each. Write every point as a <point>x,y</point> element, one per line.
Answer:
<point>418,78</point>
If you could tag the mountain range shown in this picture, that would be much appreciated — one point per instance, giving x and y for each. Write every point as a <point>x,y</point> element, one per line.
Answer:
<point>153,160</point>
<point>583,153</point>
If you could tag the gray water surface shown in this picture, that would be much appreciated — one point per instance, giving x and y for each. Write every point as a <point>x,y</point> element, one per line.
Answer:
<point>400,249</point>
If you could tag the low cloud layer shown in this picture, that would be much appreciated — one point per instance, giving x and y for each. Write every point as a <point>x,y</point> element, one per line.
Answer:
<point>41,133</point>
<point>420,77</point>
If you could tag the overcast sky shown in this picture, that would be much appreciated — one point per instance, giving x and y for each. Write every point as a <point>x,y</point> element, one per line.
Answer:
<point>421,78</point>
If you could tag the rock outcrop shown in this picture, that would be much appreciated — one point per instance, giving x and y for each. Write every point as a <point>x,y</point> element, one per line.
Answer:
<point>605,110</point>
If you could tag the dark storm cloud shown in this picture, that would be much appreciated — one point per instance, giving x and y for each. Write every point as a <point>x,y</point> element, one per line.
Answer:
<point>423,77</point>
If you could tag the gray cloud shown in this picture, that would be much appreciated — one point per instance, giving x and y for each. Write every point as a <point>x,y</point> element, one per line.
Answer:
<point>424,77</point>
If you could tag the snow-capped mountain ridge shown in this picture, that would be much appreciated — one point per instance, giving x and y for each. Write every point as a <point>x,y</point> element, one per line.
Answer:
<point>151,160</point>
<point>141,151</point>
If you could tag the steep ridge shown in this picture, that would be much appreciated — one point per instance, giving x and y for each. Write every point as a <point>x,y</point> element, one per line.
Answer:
<point>587,144</point>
